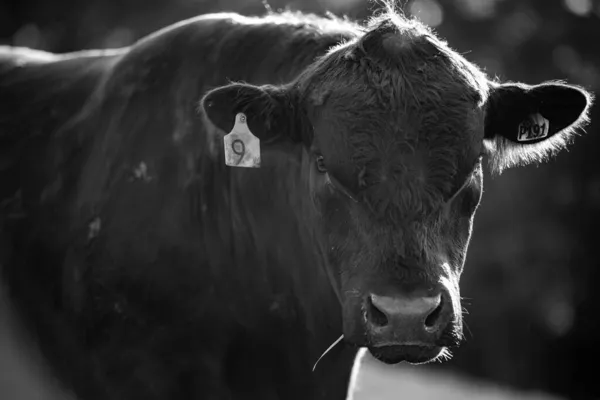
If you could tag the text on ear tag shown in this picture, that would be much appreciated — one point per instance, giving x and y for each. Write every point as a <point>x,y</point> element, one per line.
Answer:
<point>242,148</point>
<point>534,128</point>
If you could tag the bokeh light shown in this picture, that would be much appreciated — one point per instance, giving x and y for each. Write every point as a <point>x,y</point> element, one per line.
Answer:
<point>428,11</point>
<point>579,7</point>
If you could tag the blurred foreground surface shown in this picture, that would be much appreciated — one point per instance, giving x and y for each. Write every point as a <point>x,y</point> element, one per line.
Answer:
<point>376,381</point>
<point>532,271</point>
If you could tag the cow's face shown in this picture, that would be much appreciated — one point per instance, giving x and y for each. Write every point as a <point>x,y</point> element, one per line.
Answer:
<point>393,128</point>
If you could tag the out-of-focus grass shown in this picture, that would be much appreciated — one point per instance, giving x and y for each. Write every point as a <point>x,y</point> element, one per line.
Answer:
<point>376,381</point>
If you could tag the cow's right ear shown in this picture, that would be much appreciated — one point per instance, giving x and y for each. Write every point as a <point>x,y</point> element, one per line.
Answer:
<point>265,108</point>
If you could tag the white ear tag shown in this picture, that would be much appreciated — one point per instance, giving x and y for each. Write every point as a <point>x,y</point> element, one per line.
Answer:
<point>242,148</point>
<point>534,128</point>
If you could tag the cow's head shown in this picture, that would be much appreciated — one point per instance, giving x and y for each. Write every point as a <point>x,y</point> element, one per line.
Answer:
<point>392,128</point>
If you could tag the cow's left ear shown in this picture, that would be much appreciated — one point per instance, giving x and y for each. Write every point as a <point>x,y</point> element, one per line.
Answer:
<point>265,108</point>
<point>526,123</point>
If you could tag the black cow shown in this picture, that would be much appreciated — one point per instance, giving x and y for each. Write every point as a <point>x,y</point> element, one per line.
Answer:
<point>147,267</point>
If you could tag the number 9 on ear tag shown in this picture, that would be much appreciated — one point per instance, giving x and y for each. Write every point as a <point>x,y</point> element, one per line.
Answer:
<point>242,148</point>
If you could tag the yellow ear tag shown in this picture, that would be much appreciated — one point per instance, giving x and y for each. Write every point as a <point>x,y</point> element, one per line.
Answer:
<point>242,148</point>
<point>534,128</point>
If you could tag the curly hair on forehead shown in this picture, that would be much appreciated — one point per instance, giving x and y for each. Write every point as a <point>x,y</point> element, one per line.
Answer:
<point>402,115</point>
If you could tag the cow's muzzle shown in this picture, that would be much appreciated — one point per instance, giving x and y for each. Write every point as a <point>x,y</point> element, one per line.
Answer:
<point>413,327</point>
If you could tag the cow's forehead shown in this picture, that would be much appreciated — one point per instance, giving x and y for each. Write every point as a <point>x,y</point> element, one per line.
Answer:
<point>399,117</point>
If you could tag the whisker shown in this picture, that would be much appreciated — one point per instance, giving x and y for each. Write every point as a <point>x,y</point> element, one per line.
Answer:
<point>327,351</point>
<point>445,355</point>
<point>468,329</point>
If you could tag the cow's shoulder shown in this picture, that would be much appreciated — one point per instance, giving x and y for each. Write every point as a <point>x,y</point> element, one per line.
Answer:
<point>232,27</point>
<point>214,49</point>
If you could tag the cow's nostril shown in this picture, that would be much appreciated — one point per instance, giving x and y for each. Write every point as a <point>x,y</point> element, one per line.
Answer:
<point>374,315</point>
<point>431,322</point>
<point>418,314</point>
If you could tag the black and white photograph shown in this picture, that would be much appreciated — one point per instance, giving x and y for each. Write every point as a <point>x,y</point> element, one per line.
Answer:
<point>299,200</point>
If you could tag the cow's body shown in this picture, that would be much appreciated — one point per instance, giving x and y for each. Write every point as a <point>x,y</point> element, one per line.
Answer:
<point>148,277</point>
<point>146,267</point>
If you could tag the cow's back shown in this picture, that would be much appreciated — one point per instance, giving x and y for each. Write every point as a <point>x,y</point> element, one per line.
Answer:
<point>43,94</point>
<point>105,153</point>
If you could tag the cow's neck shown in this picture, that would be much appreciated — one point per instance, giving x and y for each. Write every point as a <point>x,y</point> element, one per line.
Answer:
<point>264,218</point>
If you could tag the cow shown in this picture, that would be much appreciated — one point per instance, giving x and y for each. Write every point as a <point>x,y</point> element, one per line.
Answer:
<point>202,214</point>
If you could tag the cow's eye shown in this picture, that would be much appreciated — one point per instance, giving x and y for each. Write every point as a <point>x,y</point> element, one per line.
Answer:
<point>321,164</point>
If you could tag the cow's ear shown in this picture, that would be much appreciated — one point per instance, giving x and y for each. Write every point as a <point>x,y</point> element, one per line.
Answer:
<point>526,124</point>
<point>264,107</point>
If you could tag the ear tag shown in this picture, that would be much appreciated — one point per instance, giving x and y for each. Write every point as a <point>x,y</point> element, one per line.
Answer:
<point>242,148</point>
<point>534,128</point>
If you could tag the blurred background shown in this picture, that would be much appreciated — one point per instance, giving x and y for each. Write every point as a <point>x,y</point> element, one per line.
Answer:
<point>534,321</point>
